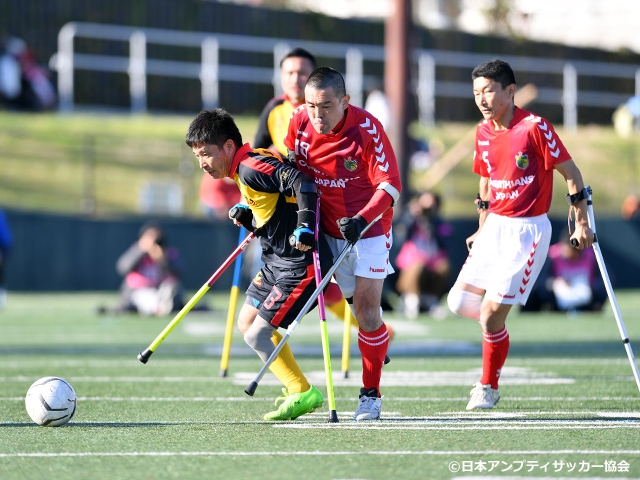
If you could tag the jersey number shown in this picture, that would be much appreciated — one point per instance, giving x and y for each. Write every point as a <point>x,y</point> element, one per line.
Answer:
<point>302,147</point>
<point>485,159</point>
<point>273,297</point>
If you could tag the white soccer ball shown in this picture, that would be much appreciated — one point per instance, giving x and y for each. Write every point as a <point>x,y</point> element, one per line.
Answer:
<point>51,402</point>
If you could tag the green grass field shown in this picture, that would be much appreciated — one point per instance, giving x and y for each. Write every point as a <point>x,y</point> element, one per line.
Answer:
<point>569,406</point>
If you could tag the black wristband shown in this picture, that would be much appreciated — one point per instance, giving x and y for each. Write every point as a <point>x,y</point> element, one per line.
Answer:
<point>482,204</point>
<point>308,218</point>
<point>576,197</point>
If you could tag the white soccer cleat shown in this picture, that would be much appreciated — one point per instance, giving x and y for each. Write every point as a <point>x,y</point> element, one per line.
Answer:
<point>483,396</point>
<point>368,408</point>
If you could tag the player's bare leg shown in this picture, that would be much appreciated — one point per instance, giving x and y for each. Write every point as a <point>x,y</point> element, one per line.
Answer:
<point>366,302</point>
<point>300,397</point>
<point>464,300</point>
<point>373,342</point>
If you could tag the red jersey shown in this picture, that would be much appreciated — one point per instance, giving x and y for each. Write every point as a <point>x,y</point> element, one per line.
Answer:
<point>348,165</point>
<point>519,162</point>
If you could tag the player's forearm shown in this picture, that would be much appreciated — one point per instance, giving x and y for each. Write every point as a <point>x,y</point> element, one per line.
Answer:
<point>305,191</point>
<point>485,195</point>
<point>129,259</point>
<point>575,186</point>
<point>378,204</point>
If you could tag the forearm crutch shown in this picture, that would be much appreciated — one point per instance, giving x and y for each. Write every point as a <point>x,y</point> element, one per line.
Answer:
<point>346,341</point>
<point>607,284</point>
<point>144,356</point>
<point>326,351</point>
<point>231,313</point>
<point>251,388</point>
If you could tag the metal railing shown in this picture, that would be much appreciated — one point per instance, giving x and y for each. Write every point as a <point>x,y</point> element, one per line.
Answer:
<point>211,72</point>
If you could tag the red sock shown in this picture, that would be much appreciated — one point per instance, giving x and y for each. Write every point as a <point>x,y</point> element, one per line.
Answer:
<point>495,348</point>
<point>373,347</point>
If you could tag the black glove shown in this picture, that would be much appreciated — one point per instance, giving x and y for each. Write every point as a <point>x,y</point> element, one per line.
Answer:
<point>304,235</point>
<point>351,228</point>
<point>242,213</point>
<point>304,232</point>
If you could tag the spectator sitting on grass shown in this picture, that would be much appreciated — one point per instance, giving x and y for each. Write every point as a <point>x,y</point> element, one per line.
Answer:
<point>151,272</point>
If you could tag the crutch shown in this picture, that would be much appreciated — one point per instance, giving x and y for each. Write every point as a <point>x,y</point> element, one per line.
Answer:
<point>144,356</point>
<point>607,284</point>
<point>251,388</point>
<point>346,341</point>
<point>326,351</point>
<point>231,313</point>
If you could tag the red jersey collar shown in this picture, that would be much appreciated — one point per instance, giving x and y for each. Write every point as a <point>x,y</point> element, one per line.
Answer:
<point>339,126</point>
<point>518,114</point>
<point>237,158</point>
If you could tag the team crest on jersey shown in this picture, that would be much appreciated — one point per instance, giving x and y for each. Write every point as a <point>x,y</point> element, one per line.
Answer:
<point>522,160</point>
<point>350,164</point>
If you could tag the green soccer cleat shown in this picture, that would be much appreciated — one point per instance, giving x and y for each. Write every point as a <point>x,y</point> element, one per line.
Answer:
<point>296,404</point>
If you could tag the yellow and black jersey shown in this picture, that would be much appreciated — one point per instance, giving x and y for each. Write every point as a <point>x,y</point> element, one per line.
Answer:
<point>270,188</point>
<point>273,125</point>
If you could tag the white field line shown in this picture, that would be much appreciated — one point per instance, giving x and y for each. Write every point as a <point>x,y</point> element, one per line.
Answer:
<point>509,376</point>
<point>323,453</point>
<point>105,379</point>
<point>447,421</point>
<point>53,362</point>
<point>453,425</point>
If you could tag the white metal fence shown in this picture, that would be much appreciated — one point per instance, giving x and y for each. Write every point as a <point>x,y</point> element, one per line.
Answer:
<point>211,72</point>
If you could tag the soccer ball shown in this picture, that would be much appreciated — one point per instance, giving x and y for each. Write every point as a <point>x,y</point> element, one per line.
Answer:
<point>50,402</point>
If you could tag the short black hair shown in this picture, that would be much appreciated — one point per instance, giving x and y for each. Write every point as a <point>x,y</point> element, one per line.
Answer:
<point>299,53</point>
<point>213,127</point>
<point>326,77</point>
<point>497,70</point>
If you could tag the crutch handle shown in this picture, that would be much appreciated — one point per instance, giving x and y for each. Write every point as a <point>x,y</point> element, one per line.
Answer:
<point>574,241</point>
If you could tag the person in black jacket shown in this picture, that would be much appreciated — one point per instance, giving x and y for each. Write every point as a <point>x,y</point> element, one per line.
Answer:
<point>280,209</point>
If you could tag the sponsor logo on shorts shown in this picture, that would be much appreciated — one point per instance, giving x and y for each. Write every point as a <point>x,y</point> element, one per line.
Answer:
<point>501,295</point>
<point>377,270</point>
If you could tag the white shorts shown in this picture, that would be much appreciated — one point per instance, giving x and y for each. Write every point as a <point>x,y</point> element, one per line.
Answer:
<point>507,257</point>
<point>369,258</point>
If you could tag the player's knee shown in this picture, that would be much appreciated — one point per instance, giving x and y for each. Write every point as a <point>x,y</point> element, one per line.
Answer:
<point>251,338</point>
<point>465,304</point>
<point>258,336</point>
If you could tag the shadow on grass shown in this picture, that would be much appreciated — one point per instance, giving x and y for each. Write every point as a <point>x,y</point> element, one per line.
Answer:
<point>98,424</point>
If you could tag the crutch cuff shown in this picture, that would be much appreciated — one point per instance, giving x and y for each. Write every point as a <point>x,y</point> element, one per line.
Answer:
<point>572,199</point>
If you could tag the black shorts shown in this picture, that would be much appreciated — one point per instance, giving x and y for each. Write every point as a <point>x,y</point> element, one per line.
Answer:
<point>280,294</point>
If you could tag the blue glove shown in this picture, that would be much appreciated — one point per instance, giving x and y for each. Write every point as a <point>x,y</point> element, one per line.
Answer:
<point>351,228</point>
<point>242,214</point>
<point>304,235</point>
